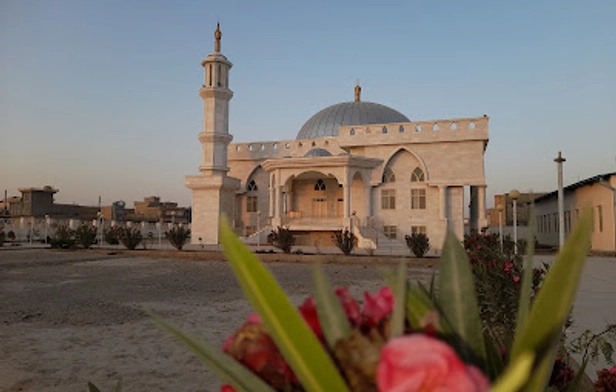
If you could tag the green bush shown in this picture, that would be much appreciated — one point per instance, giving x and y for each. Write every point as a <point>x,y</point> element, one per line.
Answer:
<point>130,237</point>
<point>11,235</point>
<point>86,235</point>
<point>2,237</point>
<point>178,236</point>
<point>112,235</point>
<point>418,243</point>
<point>345,240</point>
<point>63,238</point>
<point>282,238</point>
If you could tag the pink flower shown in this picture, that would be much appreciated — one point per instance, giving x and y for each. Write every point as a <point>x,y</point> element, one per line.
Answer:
<point>420,363</point>
<point>227,388</point>
<point>508,266</point>
<point>377,307</point>
<point>308,310</point>
<point>613,370</point>
<point>516,279</point>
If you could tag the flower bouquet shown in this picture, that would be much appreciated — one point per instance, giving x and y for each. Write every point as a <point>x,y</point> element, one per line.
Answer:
<point>406,337</point>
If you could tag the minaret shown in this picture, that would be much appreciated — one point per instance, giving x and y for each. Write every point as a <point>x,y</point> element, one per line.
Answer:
<point>213,191</point>
<point>215,137</point>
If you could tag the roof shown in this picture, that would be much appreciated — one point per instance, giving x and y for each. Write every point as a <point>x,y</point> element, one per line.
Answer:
<point>327,121</point>
<point>579,184</point>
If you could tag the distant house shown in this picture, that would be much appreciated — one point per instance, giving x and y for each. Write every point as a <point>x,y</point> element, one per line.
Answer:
<point>598,192</point>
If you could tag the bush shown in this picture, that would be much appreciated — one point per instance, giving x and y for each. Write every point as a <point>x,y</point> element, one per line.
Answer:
<point>282,238</point>
<point>178,236</point>
<point>11,235</point>
<point>130,237</point>
<point>345,240</point>
<point>86,235</point>
<point>63,238</point>
<point>112,235</point>
<point>418,243</point>
<point>2,237</point>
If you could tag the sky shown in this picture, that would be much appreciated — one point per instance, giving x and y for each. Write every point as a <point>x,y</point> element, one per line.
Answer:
<point>101,98</point>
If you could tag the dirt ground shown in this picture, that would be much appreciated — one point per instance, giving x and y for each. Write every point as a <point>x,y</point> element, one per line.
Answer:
<point>69,317</point>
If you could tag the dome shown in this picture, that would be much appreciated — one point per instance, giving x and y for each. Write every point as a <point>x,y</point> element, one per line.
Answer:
<point>326,122</point>
<point>318,152</point>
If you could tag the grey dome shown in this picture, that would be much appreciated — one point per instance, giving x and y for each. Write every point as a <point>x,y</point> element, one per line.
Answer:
<point>318,152</point>
<point>326,122</point>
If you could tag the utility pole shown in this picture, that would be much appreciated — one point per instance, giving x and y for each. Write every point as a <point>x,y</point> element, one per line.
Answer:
<point>561,201</point>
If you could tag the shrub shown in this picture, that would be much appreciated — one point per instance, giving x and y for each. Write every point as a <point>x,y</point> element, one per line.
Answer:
<point>63,238</point>
<point>345,240</point>
<point>418,243</point>
<point>10,235</point>
<point>112,235</point>
<point>178,236</point>
<point>130,237</point>
<point>282,238</point>
<point>2,237</point>
<point>86,235</point>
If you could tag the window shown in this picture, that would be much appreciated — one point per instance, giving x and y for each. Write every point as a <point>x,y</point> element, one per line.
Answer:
<point>320,185</point>
<point>352,132</point>
<point>384,130</point>
<point>388,199</point>
<point>418,199</point>
<point>418,229</point>
<point>252,186</point>
<point>250,230</point>
<point>251,204</point>
<point>401,129</point>
<point>600,218</point>
<point>417,175</point>
<point>567,221</point>
<point>391,232</point>
<point>388,176</point>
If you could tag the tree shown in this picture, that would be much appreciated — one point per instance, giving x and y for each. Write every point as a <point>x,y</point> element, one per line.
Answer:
<point>112,235</point>
<point>178,236</point>
<point>130,237</point>
<point>282,238</point>
<point>86,235</point>
<point>345,240</point>
<point>63,238</point>
<point>418,243</point>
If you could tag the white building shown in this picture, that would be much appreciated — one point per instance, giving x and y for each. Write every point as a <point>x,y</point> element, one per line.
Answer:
<point>357,164</point>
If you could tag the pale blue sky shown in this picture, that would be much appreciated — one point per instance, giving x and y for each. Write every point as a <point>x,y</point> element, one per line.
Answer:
<point>101,98</point>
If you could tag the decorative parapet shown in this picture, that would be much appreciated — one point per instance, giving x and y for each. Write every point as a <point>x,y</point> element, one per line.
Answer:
<point>433,131</point>
<point>281,149</point>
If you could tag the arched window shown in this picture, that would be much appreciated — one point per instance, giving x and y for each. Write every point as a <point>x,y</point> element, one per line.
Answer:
<point>352,132</point>
<point>252,186</point>
<point>401,129</point>
<point>384,130</point>
<point>417,175</point>
<point>319,186</point>
<point>388,176</point>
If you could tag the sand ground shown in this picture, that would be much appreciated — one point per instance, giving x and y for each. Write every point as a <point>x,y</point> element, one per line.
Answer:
<point>69,317</point>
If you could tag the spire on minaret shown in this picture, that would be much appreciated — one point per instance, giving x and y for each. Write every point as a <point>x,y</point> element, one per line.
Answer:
<point>217,35</point>
<point>357,91</point>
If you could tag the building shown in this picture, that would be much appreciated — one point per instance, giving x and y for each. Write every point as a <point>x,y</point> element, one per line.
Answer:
<point>525,202</point>
<point>598,192</point>
<point>151,209</point>
<point>39,202</point>
<point>357,164</point>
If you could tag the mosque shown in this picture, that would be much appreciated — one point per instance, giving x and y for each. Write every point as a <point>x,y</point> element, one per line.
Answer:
<point>357,165</point>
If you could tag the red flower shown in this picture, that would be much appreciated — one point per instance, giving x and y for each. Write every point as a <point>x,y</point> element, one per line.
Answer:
<point>308,310</point>
<point>227,388</point>
<point>377,307</point>
<point>420,363</point>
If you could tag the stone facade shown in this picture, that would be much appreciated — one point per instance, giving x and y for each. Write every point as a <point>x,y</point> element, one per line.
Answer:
<point>386,179</point>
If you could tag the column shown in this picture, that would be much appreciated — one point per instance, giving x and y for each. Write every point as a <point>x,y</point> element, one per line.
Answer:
<point>368,201</point>
<point>271,195</point>
<point>473,213</point>
<point>442,201</point>
<point>483,222</point>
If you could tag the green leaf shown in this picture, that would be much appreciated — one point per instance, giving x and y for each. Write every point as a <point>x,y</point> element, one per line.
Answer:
<point>458,301</point>
<point>516,374</point>
<point>495,363</point>
<point>399,290</point>
<point>332,317</point>
<point>298,344</point>
<point>575,385</point>
<point>527,279</point>
<point>553,303</point>
<point>93,388</point>
<point>239,376</point>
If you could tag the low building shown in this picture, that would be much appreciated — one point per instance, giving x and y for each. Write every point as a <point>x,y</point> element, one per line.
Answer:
<point>598,192</point>
<point>39,202</point>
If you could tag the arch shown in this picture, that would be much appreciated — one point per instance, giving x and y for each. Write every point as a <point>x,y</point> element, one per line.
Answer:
<point>318,152</point>
<point>418,175</point>
<point>422,163</point>
<point>252,174</point>
<point>320,185</point>
<point>388,176</point>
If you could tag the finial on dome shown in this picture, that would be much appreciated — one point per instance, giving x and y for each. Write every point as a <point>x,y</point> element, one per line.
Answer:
<point>217,35</point>
<point>357,91</point>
